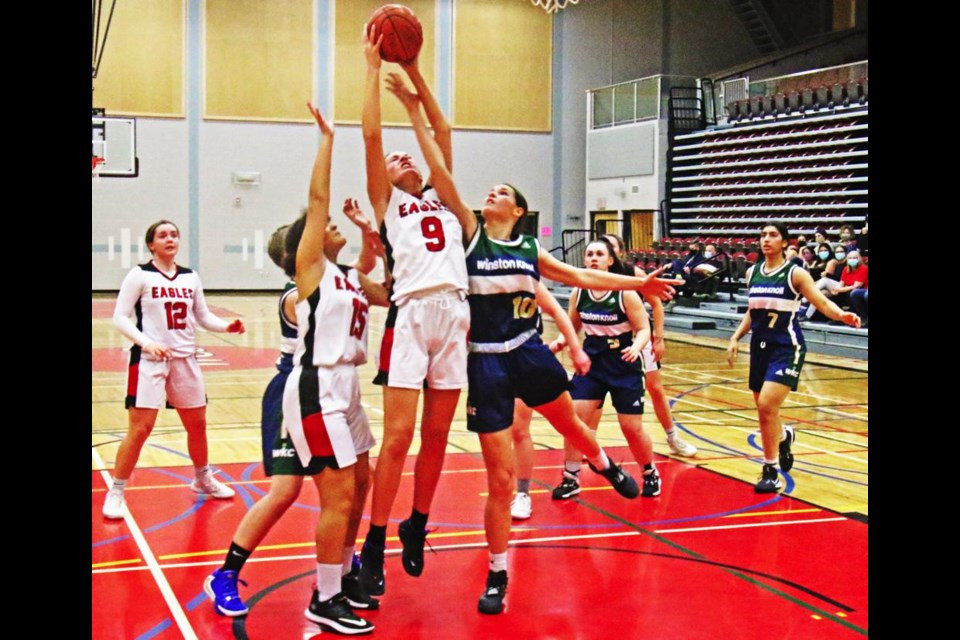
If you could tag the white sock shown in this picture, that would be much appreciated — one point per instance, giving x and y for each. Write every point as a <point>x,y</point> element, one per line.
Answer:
<point>775,462</point>
<point>201,471</point>
<point>498,561</point>
<point>572,466</point>
<point>602,461</point>
<point>670,433</point>
<point>119,485</point>
<point>328,580</point>
<point>347,562</point>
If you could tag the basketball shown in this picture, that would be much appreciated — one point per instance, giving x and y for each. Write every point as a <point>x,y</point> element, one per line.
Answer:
<point>402,32</point>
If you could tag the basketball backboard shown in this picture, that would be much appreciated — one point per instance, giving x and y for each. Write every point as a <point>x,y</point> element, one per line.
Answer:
<point>115,140</point>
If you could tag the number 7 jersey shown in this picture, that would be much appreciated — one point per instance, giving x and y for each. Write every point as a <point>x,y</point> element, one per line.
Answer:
<point>424,243</point>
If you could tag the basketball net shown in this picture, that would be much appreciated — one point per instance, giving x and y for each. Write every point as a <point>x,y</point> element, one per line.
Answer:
<point>97,165</point>
<point>552,6</point>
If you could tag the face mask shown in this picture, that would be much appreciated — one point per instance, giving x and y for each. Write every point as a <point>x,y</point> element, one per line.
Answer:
<point>708,254</point>
<point>824,255</point>
<point>853,262</point>
<point>845,236</point>
<point>807,257</point>
<point>840,255</point>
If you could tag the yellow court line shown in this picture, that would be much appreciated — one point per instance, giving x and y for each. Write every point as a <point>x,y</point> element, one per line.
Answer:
<point>295,545</point>
<point>751,514</point>
<point>181,486</point>
<point>98,565</point>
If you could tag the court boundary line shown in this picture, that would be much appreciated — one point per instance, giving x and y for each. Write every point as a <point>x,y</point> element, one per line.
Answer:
<point>155,570</point>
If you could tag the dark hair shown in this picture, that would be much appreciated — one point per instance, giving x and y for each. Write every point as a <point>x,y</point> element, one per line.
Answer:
<point>617,266</point>
<point>518,197</point>
<point>779,226</point>
<point>825,244</point>
<point>291,242</point>
<point>152,230</point>
<point>276,247</point>
<point>615,237</point>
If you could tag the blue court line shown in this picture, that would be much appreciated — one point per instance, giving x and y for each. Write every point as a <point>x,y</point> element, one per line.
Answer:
<point>752,439</point>
<point>163,626</point>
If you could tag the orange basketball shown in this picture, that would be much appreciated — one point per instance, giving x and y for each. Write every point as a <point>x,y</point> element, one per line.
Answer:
<point>402,32</point>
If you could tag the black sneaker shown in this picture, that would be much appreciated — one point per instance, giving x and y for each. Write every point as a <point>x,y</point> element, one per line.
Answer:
<point>492,599</point>
<point>371,569</point>
<point>412,542</point>
<point>622,481</point>
<point>651,484</point>
<point>335,614</point>
<point>769,480</point>
<point>568,487</point>
<point>786,457</point>
<point>354,592</point>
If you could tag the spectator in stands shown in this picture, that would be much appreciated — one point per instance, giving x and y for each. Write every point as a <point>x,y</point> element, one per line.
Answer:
<point>862,241</point>
<point>802,241</point>
<point>853,277</point>
<point>832,268</point>
<point>820,236</point>
<point>858,301</point>
<point>848,238</point>
<point>683,267</point>
<point>792,254</point>
<point>808,259</point>
<point>705,277</point>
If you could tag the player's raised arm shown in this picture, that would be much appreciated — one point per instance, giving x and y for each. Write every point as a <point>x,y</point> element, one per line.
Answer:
<point>438,121</point>
<point>310,259</point>
<point>378,184</point>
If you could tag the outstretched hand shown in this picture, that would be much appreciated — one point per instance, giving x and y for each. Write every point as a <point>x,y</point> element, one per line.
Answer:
<point>395,85</point>
<point>353,212</point>
<point>657,287</point>
<point>371,49</point>
<point>850,318</point>
<point>325,127</point>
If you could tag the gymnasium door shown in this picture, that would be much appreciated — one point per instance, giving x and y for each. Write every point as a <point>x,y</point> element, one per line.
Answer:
<point>640,234</point>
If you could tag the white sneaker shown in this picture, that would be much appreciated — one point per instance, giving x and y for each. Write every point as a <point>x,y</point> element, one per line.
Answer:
<point>521,507</point>
<point>114,505</point>
<point>681,447</point>
<point>211,486</point>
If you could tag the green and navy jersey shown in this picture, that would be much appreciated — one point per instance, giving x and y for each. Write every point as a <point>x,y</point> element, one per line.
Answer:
<point>604,321</point>
<point>773,304</point>
<point>502,277</point>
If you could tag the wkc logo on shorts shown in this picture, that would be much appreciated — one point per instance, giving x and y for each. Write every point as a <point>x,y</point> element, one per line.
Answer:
<point>284,452</point>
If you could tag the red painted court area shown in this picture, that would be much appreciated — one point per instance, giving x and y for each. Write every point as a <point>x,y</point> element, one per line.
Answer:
<point>708,558</point>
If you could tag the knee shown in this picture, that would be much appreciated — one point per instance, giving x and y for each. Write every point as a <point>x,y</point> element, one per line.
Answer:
<point>433,436</point>
<point>396,442</point>
<point>767,410</point>
<point>501,482</point>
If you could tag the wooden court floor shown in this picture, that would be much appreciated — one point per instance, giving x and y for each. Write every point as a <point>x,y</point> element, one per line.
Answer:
<point>707,558</point>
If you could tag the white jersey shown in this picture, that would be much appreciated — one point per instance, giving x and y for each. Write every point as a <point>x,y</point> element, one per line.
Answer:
<point>424,244</point>
<point>167,309</point>
<point>332,321</point>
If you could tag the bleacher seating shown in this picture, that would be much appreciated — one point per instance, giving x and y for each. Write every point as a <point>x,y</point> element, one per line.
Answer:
<point>808,170</point>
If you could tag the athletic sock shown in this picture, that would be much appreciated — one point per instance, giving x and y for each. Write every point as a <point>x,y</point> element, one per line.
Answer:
<point>601,462</point>
<point>498,561</point>
<point>418,520</point>
<point>328,581</point>
<point>670,432</point>
<point>648,469</point>
<point>119,485</point>
<point>236,557</point>
<point>775,462</point>
<point>523,486</point>
<point>201,471</point>
<point>377,535</point>
<point>572,466</point>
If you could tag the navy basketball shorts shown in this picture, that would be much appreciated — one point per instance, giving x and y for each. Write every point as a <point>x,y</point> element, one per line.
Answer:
<point>610,374</point>
<point>529,372</point>
<point>773,362</point>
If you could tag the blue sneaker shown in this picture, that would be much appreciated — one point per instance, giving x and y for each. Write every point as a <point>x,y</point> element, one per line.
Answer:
<point>221,587</point>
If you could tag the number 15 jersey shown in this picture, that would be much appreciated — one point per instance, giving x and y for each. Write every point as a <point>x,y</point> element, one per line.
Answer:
<point>332,321</point>
<point>424,243</point>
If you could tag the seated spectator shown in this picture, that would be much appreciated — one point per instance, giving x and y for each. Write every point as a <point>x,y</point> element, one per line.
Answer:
<point>830,276</point>
<point>820,236</point>
<point>824,262</point>
<point>808,259</point>
<point>862,241</point>
<point>858,301</point>
<point>792,254</point>
<point>683,267</point>
<point>801,241</point>
<point>705,278</point>
<point>853,276</point>
<point>847,238</point>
